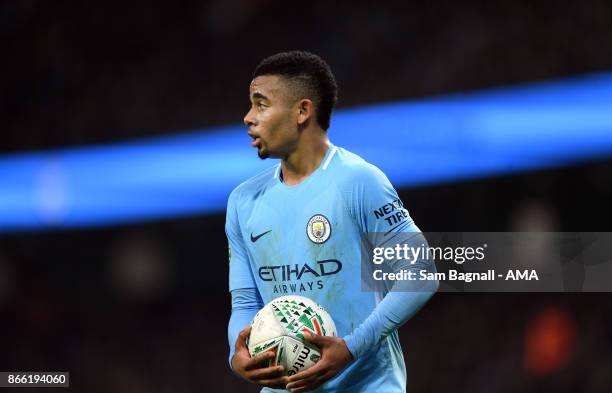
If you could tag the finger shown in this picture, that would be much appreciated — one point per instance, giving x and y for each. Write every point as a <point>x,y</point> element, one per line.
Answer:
<point>316,339</point>
<point>259,360</point>
<point>265,373</point>
<point>278,383</point>
<point>303,389</point>
<point>318,368</point>
<point>312,385</point>
<point>242,336</point>
<point>302,382</point>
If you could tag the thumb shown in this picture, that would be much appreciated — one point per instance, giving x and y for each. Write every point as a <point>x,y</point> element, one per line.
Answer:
<point>314,338</point>
<point>241,340</point>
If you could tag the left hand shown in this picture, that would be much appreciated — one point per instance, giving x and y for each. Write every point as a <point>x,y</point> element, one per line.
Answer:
<point>334,357</point>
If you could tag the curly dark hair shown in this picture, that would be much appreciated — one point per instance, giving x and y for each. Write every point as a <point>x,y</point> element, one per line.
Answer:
<point>309,77</point>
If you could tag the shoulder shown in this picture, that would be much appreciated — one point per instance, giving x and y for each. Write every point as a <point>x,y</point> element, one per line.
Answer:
<point>253,187</point>
<point>352,171</point>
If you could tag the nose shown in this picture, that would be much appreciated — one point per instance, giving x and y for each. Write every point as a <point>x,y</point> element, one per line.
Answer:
<point>248,118</point>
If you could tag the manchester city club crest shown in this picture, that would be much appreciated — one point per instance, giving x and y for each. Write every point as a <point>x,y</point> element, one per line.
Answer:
<point>318,229</point>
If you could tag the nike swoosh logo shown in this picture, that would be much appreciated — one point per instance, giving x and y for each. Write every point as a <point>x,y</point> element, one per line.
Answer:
<point>255,238</point>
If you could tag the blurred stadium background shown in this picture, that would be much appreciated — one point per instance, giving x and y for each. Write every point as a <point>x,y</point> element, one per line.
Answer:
<point>135,300</point>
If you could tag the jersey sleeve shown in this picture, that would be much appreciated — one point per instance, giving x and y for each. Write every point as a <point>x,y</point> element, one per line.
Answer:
<point>246,303</point>
<point>374,203</point>
<point>380,214</point>
<point>240,273</point>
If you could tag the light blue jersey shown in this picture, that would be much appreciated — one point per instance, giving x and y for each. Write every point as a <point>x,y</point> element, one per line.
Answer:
<point>305,240</point>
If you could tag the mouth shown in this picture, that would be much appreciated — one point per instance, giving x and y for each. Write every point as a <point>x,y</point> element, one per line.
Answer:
<point>256,139</point>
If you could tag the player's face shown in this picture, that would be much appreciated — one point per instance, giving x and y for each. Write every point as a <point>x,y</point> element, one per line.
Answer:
<point>272,119</point>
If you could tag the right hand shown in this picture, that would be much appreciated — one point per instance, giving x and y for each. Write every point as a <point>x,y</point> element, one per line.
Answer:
<point>253,368</point>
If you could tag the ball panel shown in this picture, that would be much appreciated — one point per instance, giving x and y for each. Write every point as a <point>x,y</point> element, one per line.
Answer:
<point>299,355</point>
<point>274,345</point>
<point>329,327</point>
<point>265,326</point>
<point>298,315</point>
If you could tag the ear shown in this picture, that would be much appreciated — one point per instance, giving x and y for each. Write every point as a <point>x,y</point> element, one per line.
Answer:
<point>305,110</point>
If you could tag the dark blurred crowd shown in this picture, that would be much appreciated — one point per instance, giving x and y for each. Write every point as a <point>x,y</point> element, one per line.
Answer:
<point>82,72</point>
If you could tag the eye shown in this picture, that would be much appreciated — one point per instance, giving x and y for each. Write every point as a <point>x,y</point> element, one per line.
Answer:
<point>261,105</point>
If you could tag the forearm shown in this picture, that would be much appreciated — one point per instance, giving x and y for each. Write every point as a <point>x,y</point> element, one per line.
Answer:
<point>392,312</point>
<point>245,304</point>
<point>403,300</point>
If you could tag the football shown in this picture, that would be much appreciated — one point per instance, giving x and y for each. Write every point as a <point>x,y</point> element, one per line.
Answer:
<point>279,327</point>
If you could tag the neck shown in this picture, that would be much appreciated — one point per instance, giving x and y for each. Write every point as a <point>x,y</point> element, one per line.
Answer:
<point>305,159</point>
